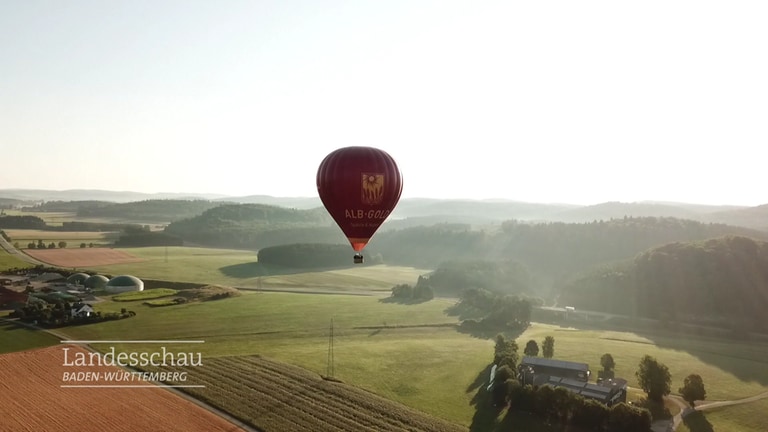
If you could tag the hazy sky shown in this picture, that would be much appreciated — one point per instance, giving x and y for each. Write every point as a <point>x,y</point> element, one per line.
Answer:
<point>548,101</point>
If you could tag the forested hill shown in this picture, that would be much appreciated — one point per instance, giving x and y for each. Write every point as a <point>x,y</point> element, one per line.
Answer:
<point>152,210</point>
<point>257,226</point>
<point>721,281</point>
<point>553,252</point>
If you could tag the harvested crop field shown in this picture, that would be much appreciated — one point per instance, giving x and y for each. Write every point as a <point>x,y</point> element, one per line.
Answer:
<point>32,399</point>
<point>82,257</point>
<point>275,397</point>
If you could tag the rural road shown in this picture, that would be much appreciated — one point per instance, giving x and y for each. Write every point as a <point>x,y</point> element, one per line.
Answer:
<point>18,254</point>
<point>685,409</point>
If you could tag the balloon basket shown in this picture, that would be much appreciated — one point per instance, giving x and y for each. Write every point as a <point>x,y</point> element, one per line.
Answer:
<point>358,258</point>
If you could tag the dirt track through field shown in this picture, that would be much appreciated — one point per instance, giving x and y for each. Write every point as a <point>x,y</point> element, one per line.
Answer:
<point>32,399</point>
<point>82,257</point>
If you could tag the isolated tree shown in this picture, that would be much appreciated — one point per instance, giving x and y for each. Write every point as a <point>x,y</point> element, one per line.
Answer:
<point>82,245</point>
<point>654,378</point>
<point>40,244</point>
<point>606,361</point>
<point>423,292</point>
<point>693,389</point>
<point>62,244</point>
<point>51,245</point>
<point>548,347</point>
<point>505,352</point>
<point>31,245</point>
<point>90,245</point>
<point>16,245</point>
<point>531,348</point>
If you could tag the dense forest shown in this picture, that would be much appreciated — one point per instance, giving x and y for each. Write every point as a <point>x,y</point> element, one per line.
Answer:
<point>154,210</point>
<point>552,252</point>
<point>721,282</point>
<point>311,255</point>
<point>256,226</point>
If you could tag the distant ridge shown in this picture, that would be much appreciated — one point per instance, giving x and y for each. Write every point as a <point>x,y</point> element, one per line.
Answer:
<point>484,211</point>
<point>96,195</point>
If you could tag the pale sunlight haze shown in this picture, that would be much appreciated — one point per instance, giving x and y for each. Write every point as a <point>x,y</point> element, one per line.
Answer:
<point>560,101</point>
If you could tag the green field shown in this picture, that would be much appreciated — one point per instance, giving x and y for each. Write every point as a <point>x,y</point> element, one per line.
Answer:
<point>410,357</point>
<point>239,268</point>
<point>8,261</point>
<point>747,417</point>
<point>18,338</point>
<point>144,295</point>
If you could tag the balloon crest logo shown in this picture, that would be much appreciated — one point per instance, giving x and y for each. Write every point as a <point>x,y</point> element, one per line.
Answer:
<point>373,188</point>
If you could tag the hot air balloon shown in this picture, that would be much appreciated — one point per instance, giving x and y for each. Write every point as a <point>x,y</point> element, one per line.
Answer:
<point>359,186</point>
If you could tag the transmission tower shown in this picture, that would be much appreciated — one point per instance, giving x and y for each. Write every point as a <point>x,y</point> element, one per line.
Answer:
<point>330,370</point>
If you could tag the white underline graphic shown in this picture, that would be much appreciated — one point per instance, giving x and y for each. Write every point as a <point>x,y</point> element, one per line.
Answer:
<point>132,341</point>
<point>132,386</point>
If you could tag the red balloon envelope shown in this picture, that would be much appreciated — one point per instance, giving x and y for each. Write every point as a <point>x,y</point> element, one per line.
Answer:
<point>359,186</point>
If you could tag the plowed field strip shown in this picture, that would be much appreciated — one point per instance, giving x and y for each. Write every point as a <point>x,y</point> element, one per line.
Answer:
<point>290,394</point>
<point>277,397</point>
<point>332,393</point>
<point>312,387</point>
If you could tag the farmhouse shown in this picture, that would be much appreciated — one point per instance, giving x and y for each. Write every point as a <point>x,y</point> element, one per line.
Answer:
<point>81,310</point>
<point>9,296</point>
<point>532,366</point>
<point>609,392</point>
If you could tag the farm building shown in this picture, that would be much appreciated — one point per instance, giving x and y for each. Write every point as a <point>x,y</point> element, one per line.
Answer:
<point>9,296</point>
<point>124,283</point>
<point>608,392</point>
<point>47,277</point>
<point>81,310</point>
<point>96,282</point>
<point>78,278</point>
<point>532,366</point>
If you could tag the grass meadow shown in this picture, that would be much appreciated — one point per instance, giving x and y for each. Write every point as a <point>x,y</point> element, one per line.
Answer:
<point>409,353</point>
<point>11,261</point>
<point>240,268</point>
<point>14,338</point>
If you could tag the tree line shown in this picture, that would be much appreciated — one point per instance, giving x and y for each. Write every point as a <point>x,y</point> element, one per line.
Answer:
<point>717,282</point>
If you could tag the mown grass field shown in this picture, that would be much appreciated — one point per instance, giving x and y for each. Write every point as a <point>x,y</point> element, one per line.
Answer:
<point>405,353</point>
<point>240,268</point>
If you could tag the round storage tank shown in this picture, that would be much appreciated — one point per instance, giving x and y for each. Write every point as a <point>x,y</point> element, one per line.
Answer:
<point>77,278</point>
<point>96,282</point>
<point>124,283</point>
